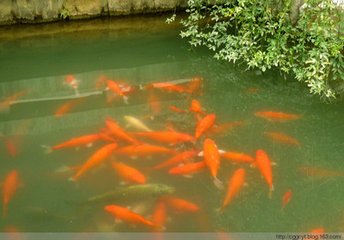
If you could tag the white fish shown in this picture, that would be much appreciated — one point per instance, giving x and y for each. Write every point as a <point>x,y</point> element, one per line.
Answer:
<point>136,123</point>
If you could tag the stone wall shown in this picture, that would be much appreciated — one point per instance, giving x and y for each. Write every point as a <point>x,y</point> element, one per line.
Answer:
<point>34,11</point>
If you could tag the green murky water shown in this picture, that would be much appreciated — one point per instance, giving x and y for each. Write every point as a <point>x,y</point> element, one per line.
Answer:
<point>48,201</point>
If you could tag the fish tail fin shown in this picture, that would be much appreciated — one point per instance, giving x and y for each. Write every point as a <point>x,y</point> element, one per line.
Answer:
<point>125,99</point>
<point>218,183</point>
<point>47,149</point>
<point>270,191</point>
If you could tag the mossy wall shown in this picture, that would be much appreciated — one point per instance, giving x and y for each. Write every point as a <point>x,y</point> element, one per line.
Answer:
<point>35,11</point>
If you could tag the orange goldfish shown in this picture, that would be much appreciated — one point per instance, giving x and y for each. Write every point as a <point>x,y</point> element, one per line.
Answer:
<point>75,142</point>
<point>180,157</point>
<point>98,157</point>
<point>171,137</point>
<point>73,83</point>
<point>221,128</point>
<point>286,198</point>
<point>204,124</point>
<point>180,205</point>
<point>235,183</point>
<point>264,165</point>
<point>144,150</point>
<point>188,168</point>
<point>159,216</point>
<point>129,174</point>
<point>11,147</point>
<point>277,116</point>
<point>212,160</point>
<point>167,86</point>
<point>196,107</point>
<point>237,157</point>
<point>176,109</point>
<point>10,186</point>
<point>195,86</point>
<point>118,132</point>
<point>283,138</point>
<point>126,215</point>
<point>6,103</point>
<point>66,107</point>
<point>116,89</point>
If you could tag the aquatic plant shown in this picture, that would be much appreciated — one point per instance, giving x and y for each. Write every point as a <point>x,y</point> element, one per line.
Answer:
<point>303,39</point>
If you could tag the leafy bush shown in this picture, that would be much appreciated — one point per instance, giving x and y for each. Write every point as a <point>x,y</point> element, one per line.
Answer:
<point>305,41</point>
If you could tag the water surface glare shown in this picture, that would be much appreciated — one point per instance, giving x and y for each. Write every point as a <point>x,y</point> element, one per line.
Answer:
<point>39,109</point>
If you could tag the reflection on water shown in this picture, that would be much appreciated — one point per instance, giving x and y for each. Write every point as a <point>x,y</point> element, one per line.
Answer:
<point>126,118</point>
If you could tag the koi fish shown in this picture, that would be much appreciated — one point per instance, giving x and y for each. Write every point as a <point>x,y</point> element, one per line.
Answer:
<point>117,131</point>
<point>221,128</point>
<point>159,216</point>
<point>144,150</point>
<point>74,142</point>
<point>196,107</point>
<point>264,165</point>
<point>136,123</point>
<point>282,138</point>
<point>277,116</point>
<point>71,81</point>
<point>311,171</point>
<point>166,86</point>
<point>286,198</point>
<point>235,183</point>
<point>129,174</point>
<point>171,137</point>
<point>5,104</point>
<point>11,147</point>
<point>10,186</point>
<point>237,157</point>
<point>212,160</point>
<point>195,85</point>
<point>188,168</point>
<point>180,205</point>
<point>97,158</point>
<point>66,107</point>
<point>204,124</point>
<point>176,109</point>
<point>180,157</point>
<point>116,89</point>
<point>126,215</point>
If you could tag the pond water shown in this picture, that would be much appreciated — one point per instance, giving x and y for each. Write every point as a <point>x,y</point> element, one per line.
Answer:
<point>305,146</point>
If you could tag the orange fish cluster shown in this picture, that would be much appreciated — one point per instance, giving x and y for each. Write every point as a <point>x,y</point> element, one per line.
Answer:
<point>181,152</point>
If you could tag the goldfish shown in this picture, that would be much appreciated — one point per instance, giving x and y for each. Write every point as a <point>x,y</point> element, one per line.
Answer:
<point>129,174</point>
<point>66,107</point>
<point>131,192</point>
<point>286,198</point>
<point>118,132</point>
<point>116,89</point>
<point>196,107</point>
<point>159,216</point>
<point>144,150</point>
<point>176,109</point>
<point>235,183</point>
<point>212,160</point>
<point>136,123</point>
<point>180,205</point>
<point>154,104</point>
<point>195,85</point>
<point>180,157</point>
<point>98,157</point>
<point>283,138</point>
<point>126,215</point>
<point>11,147</point>
<point>188,168</point>
<point>237,157</point>
<point>74,142</point>
<point>73,83</point>
<point>277,116</point>
<point>10,186</point>
<point>166,86</point>
<point>320,172</point>
<point>264,165</point>
<point>221,128</point>
<point>171,137</point>
<point>204,124</point>
<point>6,103</point>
